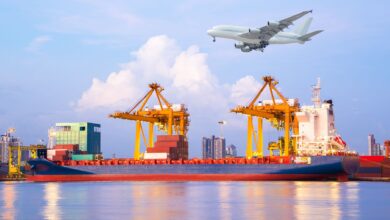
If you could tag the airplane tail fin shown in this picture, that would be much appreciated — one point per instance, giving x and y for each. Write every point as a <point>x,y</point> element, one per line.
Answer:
<point>307,37</point>
<point>304,27</point>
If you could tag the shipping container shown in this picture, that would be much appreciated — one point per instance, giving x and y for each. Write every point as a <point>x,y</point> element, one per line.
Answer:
<point>155,155</point>
<point>72,147</point>
<point>83,157</point>
<point>372,158</point>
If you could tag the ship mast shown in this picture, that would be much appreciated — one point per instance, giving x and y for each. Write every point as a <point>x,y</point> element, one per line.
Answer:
<point>316,94</point>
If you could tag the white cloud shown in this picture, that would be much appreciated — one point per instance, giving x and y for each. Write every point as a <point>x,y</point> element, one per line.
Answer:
<point>183,73</point>
<point>37,43</point>
<point>244,90</point>
<point>185,76</point>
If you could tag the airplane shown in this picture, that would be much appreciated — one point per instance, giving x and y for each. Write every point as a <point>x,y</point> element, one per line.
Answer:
<point>259,38</point>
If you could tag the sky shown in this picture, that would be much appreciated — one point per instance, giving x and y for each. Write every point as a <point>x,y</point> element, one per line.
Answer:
<point>80,60</point>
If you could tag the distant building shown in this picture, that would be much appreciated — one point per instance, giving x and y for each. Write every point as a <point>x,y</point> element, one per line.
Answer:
<point>374,149</point>
<point>85,134</point>
<point>219,148</point>
<point>206,148</point>
<point>7,140</point>
<point>231,151</point>
<point>214,147</point>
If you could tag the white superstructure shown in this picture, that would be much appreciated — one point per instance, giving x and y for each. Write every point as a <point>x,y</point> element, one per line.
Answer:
<point>317,132</point>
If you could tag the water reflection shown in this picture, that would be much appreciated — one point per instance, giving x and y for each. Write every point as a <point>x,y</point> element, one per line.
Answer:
<point>9,197</point>
<point>52,210</point>
<point>352,197</point>
<point>157,200</point>
<point>225,203</point>
<point>324,200</point>
<point>184,200</point>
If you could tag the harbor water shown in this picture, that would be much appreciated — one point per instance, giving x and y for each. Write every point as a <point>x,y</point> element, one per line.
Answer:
<point>195,200</point>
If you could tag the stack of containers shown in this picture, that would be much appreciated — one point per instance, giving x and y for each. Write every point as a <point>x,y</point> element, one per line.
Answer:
<point>370,166</point>
<point>62,152</point>
<point>174,145</point>
<point>387,148</point>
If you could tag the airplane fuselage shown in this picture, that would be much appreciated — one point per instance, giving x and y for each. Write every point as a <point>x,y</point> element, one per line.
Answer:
<point>234,32</point>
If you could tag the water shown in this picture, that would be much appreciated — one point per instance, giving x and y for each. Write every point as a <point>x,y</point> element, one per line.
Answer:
<point>195,200</point>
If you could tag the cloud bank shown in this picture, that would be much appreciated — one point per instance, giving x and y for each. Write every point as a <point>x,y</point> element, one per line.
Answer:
<point>184,74</point>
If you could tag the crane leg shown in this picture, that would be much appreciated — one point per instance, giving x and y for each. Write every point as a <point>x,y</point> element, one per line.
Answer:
<point>137,146</point>
<point>170,122</point>
<point>295,132</point>
<point>249,138</point>
<point>181,125</point>
<point>151,134</point>
<point>286,134</point>
<point>259,147</point>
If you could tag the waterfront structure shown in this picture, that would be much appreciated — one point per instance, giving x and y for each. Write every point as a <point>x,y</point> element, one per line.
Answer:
<point>7,140</point>
<point>85,134</point>
<point>374,149</point>
<point>231,151</point>
<point>214,147</point>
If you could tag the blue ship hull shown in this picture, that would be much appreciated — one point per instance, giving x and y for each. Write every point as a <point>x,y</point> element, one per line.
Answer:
<point>327,167</point>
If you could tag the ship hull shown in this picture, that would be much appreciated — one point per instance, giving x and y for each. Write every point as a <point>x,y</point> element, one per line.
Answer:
<point>320,168</point>
<point>181,177</point>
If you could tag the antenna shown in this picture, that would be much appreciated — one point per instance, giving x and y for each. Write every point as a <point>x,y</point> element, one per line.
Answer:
<point>222,123</point>
<point>316,93</point>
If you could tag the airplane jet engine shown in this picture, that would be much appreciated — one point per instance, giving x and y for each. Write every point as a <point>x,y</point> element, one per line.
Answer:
<point>254,30</point>
<point>239,45</point>
<point>246,49</point>
<point>273,23</point>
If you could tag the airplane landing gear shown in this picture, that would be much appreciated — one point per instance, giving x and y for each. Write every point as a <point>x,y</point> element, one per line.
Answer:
<point>213,39</point>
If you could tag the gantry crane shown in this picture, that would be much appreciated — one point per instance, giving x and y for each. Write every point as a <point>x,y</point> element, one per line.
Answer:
<point>14,171</point>
<point>167,117</point>
<point>278,111</point>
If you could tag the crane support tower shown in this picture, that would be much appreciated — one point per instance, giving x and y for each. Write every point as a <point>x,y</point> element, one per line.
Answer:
<point>280,112</point>
<point>14,171</point>
<point>171,119</point>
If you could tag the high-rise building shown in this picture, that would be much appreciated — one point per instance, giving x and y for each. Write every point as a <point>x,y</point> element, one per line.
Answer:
<point>85,134</point>
<point>231,151</point>
<point>219,148</point>
<point>374,149</point>
<point>7,140</point>
<point>214,147</point>
<point>206,148</point>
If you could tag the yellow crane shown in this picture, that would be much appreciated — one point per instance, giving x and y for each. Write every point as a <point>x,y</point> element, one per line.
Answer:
<point>167,117</point>
<point>278,111</point>
<point>14,171</point>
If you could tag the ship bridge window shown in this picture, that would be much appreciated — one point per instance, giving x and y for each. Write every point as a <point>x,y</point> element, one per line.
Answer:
<point>82,128</point>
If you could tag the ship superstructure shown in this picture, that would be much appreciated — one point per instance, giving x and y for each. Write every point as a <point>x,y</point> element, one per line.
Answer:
<point>317,133</point>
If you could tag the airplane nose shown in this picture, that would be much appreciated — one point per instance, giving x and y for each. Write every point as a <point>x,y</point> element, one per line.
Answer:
<point>209,32</point>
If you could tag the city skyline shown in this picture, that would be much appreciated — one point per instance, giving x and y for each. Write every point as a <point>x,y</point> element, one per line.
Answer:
<point>65,63</point>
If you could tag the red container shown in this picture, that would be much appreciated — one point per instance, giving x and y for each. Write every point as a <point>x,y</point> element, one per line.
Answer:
<point>372,158</point>
<point>62,153</point>
<point>170,138</point>
<point>58,158</point>
<point>71,147</point>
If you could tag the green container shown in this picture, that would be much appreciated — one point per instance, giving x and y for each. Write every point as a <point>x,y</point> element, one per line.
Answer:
<point>83,157</point>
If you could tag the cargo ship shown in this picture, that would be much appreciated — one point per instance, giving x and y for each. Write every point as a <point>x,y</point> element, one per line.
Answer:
<point>233,169</point>
<point>320,154</point>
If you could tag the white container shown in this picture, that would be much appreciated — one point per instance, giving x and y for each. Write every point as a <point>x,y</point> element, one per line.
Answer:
<point>155,155</point>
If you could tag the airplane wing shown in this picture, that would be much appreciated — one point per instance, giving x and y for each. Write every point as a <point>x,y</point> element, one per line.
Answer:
<point>267,32</point>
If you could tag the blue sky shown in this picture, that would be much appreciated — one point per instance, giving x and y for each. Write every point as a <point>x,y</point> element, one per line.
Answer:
<point>81,60</point>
